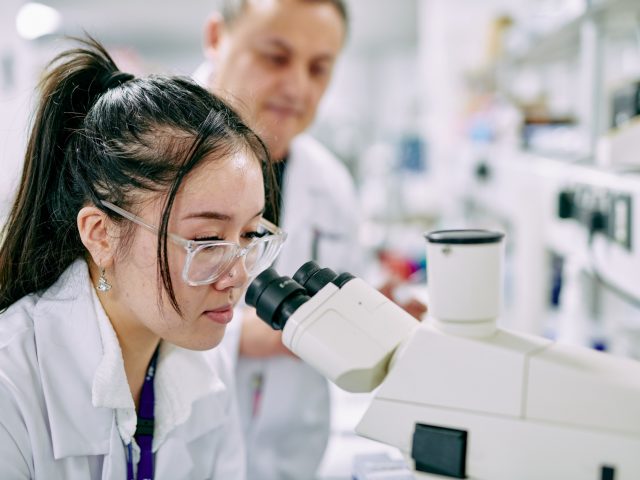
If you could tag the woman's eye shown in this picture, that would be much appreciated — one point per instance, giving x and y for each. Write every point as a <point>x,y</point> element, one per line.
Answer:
<point>255,234</point>
<point>207,238</point>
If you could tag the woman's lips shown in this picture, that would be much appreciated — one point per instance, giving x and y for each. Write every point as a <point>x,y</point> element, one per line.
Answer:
<point>220,315</point>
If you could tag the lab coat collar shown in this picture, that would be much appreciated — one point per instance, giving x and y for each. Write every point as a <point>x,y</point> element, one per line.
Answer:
<point>204,73</point>
<point>182,378</point>
<point>81,413</point>
<point>69,351</point>
<point>178,383</point>
<point>110,388</point>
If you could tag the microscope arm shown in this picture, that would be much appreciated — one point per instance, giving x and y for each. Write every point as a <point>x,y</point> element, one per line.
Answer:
<point>348,334</point>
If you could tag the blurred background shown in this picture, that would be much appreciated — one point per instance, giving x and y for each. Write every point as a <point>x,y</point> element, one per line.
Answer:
<point>516,115</point>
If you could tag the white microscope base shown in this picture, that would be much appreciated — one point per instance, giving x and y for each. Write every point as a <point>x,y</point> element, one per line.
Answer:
<point>506,448</point>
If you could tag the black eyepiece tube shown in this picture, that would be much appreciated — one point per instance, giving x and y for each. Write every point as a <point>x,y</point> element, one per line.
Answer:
<point>313,277</point>
<point>275,297</point>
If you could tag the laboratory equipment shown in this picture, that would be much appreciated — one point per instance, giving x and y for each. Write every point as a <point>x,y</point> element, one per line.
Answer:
<point>458,396</point>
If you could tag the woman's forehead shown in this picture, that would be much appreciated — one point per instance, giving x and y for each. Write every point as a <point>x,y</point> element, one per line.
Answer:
<point>232,186</point>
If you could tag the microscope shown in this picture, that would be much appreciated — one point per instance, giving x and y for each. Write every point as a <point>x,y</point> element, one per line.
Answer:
<point>458,396</point>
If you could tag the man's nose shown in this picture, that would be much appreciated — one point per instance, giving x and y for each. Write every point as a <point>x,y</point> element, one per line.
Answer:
<point>296,81</point>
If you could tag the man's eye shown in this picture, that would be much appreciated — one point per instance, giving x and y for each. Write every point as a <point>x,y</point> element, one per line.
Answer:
<point>319,70</point>
<point>276,59</point>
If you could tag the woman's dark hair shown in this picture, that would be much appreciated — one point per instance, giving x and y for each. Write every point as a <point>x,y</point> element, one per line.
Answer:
<point>101,134</point>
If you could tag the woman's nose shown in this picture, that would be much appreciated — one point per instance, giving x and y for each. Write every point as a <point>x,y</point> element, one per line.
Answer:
<point>235,277</point>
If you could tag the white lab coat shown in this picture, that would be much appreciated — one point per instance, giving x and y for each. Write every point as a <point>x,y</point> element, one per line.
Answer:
<point>287,437</point>
<point>50,349</point>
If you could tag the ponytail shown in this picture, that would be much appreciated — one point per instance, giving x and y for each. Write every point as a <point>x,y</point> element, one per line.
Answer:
<point>40,237</point>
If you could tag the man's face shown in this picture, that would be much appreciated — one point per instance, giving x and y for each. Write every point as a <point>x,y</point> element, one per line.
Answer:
<point>274,63</point>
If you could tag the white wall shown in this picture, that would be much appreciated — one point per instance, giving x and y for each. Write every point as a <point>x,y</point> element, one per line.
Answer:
<point>453,40</point>
<point>16,88</point>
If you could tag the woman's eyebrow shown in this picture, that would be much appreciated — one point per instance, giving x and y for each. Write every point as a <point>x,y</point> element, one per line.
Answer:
<point>216,215</point>
<point>209,215</point>
<point>261,212</point>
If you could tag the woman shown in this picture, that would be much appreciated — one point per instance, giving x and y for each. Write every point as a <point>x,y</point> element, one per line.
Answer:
<point>136,226</point>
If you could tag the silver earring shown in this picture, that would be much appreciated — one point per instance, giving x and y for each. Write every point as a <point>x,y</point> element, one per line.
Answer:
<point>103,284</point>
<point>230,274</point>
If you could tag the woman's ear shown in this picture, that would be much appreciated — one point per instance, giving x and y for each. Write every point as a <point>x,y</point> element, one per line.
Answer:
<point>94,227</point>
<point>213,30</point>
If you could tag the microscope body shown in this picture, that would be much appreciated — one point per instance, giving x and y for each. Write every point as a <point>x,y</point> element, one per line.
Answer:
<point>530,409</point>
<point>461,398</point>
<point>509,407</point>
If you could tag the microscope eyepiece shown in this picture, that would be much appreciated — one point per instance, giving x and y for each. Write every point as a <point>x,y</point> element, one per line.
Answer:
<point>314,278</point>
<point>258,286</point>
<point>306,271</point>
<point>275,297</point>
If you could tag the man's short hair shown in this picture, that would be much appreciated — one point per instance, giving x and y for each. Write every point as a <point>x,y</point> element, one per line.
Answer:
<point>233,9</point>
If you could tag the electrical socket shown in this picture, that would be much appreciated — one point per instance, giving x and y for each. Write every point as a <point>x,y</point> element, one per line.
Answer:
<point>621,223</point>
<point>614,210</point>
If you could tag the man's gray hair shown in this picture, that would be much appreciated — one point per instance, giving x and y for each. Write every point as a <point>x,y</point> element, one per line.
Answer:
<point>233,9</point>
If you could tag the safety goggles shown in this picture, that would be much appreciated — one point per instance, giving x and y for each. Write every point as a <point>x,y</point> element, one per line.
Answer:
<point>208,260</point>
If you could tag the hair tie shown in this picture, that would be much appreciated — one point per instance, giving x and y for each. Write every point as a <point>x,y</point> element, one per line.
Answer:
<point>116,79</point>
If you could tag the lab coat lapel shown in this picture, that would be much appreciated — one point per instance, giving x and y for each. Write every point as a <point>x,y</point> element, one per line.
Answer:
<point>182,379</point>
<point>301,191</point>
<point>69,350</point>
<point>299,209</point>
<point>175,460</point>
<point>112,468</point>
<point>308,210</point>
<point>188,385</point>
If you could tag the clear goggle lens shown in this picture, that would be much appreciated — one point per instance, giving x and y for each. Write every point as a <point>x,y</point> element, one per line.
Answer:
<point>209,262</point>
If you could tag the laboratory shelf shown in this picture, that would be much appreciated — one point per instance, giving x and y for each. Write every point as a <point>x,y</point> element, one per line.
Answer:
<point>615,17</point>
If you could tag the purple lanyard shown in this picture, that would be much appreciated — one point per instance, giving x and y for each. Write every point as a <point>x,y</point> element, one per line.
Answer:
<point>144,428</point>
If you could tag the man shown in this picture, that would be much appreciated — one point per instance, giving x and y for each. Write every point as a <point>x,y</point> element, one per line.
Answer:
<point>272,60</point>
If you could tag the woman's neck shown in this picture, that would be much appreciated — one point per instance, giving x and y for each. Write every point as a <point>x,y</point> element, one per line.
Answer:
<point>137,356</point>
<point>137,344</point>
<point>136,341</point>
